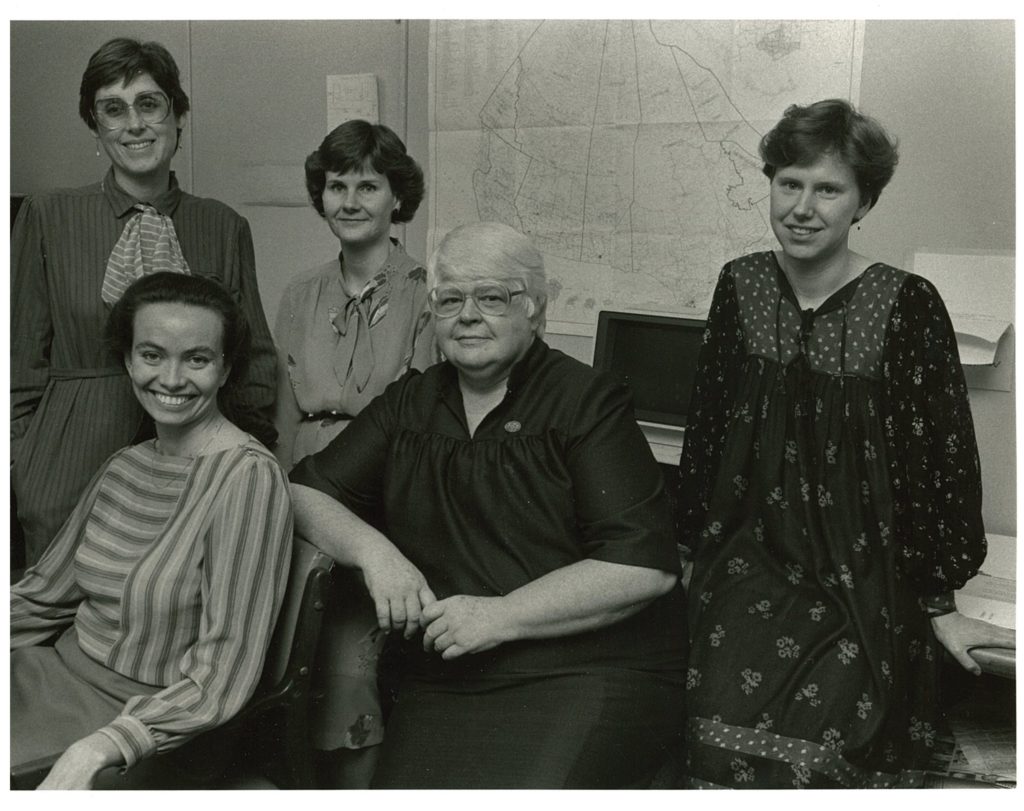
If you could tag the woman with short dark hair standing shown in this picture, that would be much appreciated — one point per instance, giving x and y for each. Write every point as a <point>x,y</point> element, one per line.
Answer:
<point>74,252</point>
<point>345,330</point>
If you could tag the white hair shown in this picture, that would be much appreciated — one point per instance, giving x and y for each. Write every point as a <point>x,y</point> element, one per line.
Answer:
<point>492,250</point>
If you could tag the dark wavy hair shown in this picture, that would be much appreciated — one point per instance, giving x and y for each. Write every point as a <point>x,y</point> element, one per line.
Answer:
<point>121,60</point>
<point>833,126</point>
<point>183,288</point>
<point>353,145</point>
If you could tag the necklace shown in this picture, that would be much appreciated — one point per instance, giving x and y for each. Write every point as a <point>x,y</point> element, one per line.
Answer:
<point>213,436</point>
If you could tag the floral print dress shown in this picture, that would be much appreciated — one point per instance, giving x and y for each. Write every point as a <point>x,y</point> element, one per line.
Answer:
<point>830,482</point>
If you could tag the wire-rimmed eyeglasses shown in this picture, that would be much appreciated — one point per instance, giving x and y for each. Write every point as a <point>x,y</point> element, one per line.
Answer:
<point>491,298</point>
<point>152,107</point>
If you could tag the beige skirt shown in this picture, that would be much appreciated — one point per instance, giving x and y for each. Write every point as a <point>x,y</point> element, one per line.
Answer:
<point>59,695</point>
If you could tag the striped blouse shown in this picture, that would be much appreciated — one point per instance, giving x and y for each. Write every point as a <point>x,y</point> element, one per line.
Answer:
<point>172,571</point>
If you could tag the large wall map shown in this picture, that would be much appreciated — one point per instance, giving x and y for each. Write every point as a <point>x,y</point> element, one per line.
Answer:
<point>626,149</point>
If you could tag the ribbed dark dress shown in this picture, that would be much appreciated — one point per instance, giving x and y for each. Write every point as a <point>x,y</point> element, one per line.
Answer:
<point>71,401</point>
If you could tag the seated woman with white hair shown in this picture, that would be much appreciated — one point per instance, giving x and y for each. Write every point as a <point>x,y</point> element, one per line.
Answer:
<point>506,504</point>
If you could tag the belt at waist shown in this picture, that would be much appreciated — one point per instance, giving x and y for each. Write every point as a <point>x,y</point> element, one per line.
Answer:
<point>325,416</point>
<point>75,374</point>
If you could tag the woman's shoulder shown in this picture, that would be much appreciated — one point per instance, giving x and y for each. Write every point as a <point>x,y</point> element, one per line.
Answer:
<point>760,263</point>
<point>56,199</point>
<point>252,452</point>
<point>304,278</point>
<point>558,364</point>
<point>212,210</point>
<point>916,292</point>
<point>248,464</point>
<point>405,269</point>
<point>553,375</point>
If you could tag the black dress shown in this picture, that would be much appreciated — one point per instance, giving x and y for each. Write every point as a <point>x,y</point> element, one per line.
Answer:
<point>830,480</point>
<point>557,473</point>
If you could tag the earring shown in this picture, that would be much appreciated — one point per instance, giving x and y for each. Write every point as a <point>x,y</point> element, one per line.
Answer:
<point>97,149</point>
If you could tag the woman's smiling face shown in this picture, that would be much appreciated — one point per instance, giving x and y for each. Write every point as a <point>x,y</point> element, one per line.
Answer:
<point>358,206</point>
<point>140,152</point>
<point>177,363</point>
<point>813,207</point>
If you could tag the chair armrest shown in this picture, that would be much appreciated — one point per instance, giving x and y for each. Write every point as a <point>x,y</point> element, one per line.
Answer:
<point>27,776</point>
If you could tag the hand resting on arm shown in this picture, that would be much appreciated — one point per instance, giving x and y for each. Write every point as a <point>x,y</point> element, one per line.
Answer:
<point>580,597</point>
<point>398,589</point>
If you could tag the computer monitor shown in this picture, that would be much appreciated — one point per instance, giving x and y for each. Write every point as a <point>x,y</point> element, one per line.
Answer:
<point>656,355</point>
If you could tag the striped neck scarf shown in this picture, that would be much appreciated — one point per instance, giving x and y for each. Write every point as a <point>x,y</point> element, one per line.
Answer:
<point>148,244</point>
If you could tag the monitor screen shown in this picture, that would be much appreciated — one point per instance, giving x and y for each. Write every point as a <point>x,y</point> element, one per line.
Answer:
<point>656,355</point>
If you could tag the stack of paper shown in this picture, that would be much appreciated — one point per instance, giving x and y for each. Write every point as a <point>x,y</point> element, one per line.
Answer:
<point>991,595</point>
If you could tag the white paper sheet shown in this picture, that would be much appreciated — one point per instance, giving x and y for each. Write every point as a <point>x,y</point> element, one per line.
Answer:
<point>351,96</point>
<point>977,289</point>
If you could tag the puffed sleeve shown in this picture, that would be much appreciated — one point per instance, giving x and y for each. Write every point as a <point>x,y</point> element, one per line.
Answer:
<point>936,475</point>
<point>46,599</point>
<point>351,468</point>
<point>621,506</point>
<point>424,351</point>
<point>31,323</point>
<point>251,403</point>
<point>719,367</point>
<point>247,555</point>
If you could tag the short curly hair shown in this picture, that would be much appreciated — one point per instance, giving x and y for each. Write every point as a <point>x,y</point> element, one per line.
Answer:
<point>833,126</point>
<point>357,143</point>
<point>122,59</point>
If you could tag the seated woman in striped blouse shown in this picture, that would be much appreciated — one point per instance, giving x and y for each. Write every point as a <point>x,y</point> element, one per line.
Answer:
<point>163,586</point>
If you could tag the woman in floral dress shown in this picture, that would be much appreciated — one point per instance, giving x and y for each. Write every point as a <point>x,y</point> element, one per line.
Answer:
<point>831,490</point>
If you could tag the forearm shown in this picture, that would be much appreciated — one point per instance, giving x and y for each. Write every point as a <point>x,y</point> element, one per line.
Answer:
<point>581,597</point>
<point>398,589</point>
<point>336,530</point>
<point>81,762</point>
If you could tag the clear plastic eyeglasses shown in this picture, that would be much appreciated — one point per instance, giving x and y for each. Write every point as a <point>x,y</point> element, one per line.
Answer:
<point>151,107</point>
<point>491,298</point>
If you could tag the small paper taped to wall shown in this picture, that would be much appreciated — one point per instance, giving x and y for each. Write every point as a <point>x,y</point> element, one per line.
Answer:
<point>350,96</point>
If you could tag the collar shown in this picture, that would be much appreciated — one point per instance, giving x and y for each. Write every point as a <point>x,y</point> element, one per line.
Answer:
<point>122,203</point>
<point>838,299</point>
<point>397,261</point>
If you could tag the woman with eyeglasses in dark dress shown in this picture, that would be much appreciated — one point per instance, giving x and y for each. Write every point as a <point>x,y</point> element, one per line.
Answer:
<point>510,523</point>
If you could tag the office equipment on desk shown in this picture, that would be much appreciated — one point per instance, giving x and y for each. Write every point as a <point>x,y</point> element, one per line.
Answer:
<point>656,355</point>
<point>991,595</point>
